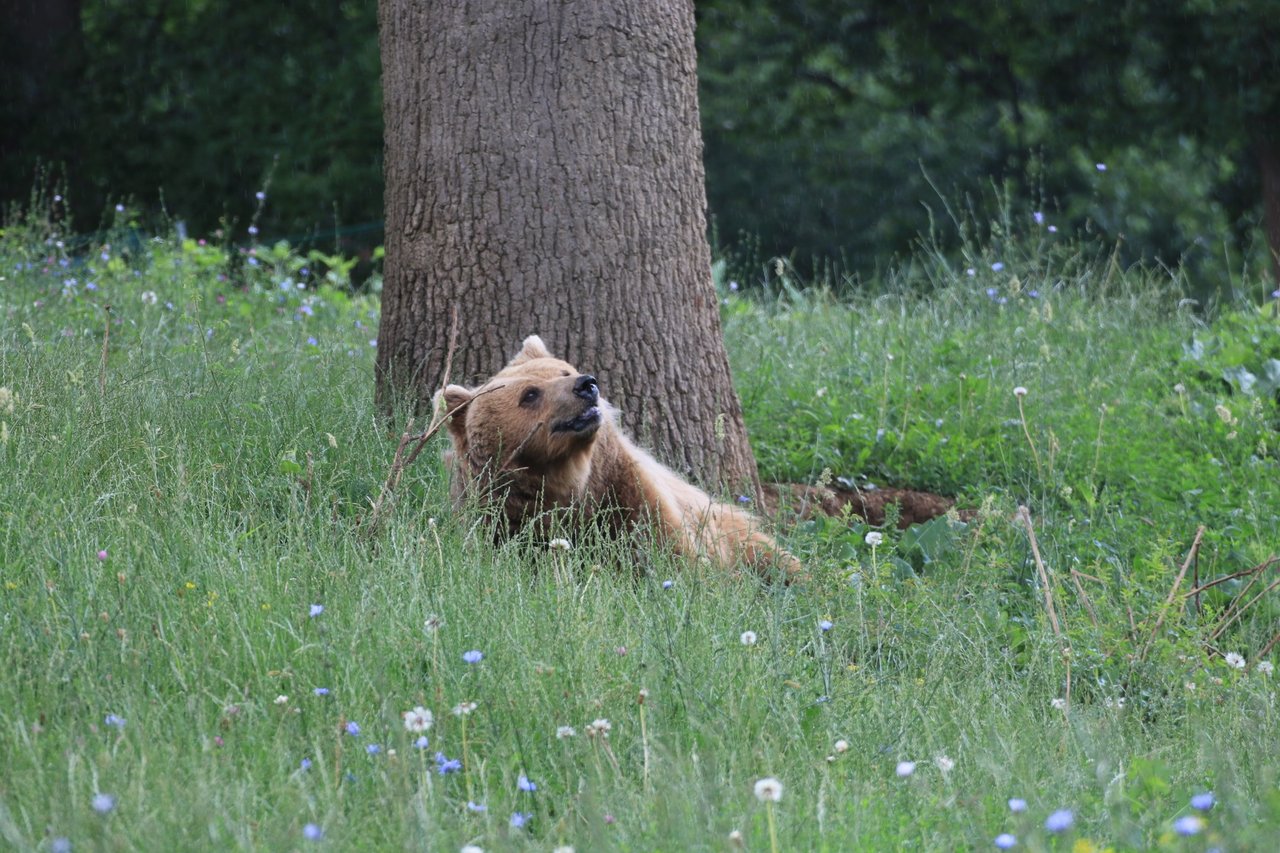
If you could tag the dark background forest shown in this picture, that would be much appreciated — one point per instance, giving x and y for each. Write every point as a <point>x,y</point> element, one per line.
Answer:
<point>838,134</point>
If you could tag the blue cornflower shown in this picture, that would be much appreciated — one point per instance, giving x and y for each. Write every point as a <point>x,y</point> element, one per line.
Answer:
<point>1059,821</point>
<point>311,341</point>
<point>476,807</point>
<point>668,584</point>
<point>103,803</point>
<point>1188,825</point>
<point>422,742</point>
<point>313,832</point>
<point>321,691</point>
<point>114,721</point>
<point>253,229</point>
<point>1017,804</point>
<point>519,819</point>
<point>992,292</point>
<point>524,784</point>
<point>1004,841</point>
<point>260,195</point>
<point>1203,801</point>
<point>61,844</point>
<point>353,728</point>
<point>473,656</point>
<point>997,266</point>
<point>743,499</point>
<point>373,749</point>
<point>317,609</point>
<point>305,764</point>
<point>826,625</point>
<point>1038,217</point>
<point>446,765</point>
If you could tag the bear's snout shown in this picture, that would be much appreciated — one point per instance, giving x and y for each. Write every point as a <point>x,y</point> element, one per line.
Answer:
<point>587,388</point>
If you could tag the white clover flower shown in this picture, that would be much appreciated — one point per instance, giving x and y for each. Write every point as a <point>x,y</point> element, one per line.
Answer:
<point>768,790</point>
<point>842,745</point>
<point>874,538</point>
<point>1234,660</point>
<point>418,720</point>
<point>1265,668</point>
<point>905,769</point>
<point>944,763</point>
<point>748,638</point>
<point>565,732</point>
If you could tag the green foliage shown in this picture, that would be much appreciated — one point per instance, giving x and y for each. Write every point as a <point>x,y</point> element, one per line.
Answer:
<point>831,127</point>
<point>198,105</point>
<point>169,522</point>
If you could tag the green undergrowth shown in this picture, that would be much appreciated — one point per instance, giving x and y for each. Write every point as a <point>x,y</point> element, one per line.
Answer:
<point>199,633</point>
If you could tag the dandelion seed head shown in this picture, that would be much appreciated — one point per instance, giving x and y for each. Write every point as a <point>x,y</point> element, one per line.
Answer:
<point>418,720</point>
<point>748,638</point>
<point>768,790</point>
<point>1234,660</point>
<point>874,539</point>
<point>1265,667</point>
<point>842,745</point>
<point>565,732</point>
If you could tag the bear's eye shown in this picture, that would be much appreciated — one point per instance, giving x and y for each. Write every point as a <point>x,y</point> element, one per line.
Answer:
<point>530,396</point>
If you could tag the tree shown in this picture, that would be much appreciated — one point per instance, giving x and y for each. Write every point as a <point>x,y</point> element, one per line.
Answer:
<point>544,175</point>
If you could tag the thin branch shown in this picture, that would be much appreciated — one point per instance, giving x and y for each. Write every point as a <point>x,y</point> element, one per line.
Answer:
<point>1173,592</point>
<point>1024,515</point>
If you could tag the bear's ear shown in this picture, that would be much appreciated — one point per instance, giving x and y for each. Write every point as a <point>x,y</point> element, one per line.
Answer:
<point>455,399</point>
<point>532,348</point>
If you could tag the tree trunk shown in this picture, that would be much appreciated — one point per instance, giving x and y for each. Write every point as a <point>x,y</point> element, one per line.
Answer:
<point>544,176</point>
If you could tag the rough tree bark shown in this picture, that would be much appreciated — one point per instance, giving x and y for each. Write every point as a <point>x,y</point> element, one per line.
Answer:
<point>544,175</point>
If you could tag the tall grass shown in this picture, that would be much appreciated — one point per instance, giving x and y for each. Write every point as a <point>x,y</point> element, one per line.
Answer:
<point>168,536</point>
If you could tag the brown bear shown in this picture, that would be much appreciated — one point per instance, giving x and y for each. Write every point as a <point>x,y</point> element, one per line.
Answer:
<point>538,437</point>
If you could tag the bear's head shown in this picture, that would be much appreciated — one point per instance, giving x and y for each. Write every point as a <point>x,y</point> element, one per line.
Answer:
<point>537,411</point>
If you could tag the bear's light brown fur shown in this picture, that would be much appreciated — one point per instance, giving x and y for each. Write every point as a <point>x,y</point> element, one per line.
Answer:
<point>538,437</point>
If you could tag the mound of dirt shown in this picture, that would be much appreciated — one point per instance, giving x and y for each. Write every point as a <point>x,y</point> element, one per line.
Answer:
<point>869,504</point>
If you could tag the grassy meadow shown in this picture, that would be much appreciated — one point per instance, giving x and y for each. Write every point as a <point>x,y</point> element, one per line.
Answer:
<point>203,650</point>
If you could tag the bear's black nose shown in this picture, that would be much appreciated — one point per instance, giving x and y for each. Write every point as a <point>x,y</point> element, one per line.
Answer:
<point>586,388</point>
